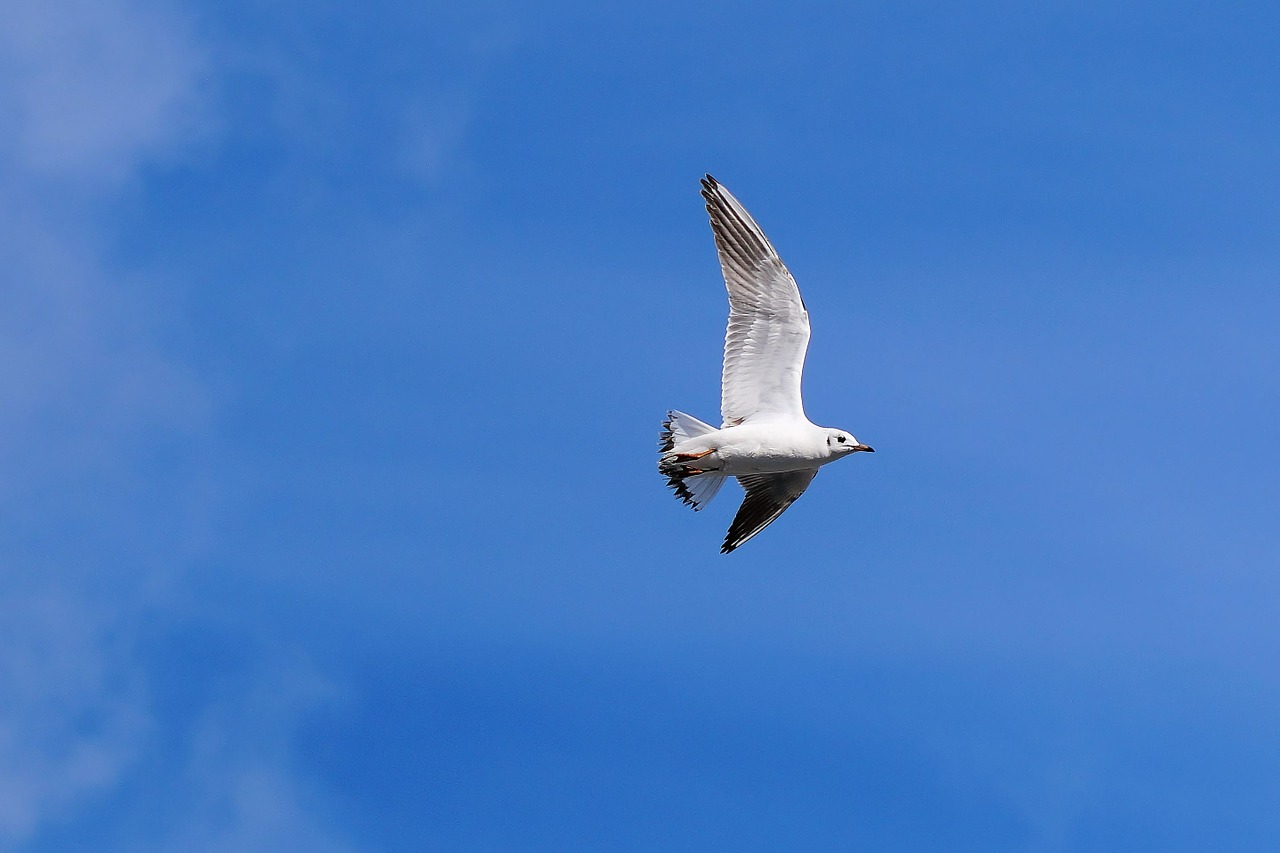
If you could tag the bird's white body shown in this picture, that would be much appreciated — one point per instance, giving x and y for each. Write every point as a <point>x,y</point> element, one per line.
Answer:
<point>765,440</point>
<point>768,448</point>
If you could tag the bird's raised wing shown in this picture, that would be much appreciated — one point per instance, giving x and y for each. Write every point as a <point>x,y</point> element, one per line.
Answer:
<point>768,330</point>
<point>768,496</point>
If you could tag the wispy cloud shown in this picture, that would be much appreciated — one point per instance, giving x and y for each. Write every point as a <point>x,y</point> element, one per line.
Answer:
<point>73,715</point>
<point>235,791</point>
<point>432,135</point>
<point>95,89</point>
<point>98,87</point>
<point>89,399</point>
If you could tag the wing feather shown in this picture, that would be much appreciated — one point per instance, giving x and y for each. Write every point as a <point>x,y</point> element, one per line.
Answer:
<point>768,331</point>
<point>768,496</point>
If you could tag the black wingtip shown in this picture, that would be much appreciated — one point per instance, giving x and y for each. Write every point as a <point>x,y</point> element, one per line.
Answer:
<point>731,542</point>
<point>711,194</point>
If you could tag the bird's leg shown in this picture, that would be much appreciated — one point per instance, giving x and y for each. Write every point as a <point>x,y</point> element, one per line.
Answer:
<point>677,464</point>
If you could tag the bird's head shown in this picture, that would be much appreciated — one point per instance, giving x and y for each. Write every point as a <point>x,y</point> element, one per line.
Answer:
<point>842,443</point>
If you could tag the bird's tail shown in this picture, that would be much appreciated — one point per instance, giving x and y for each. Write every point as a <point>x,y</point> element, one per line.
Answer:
<point>680,427</point>
<point>694,487</point>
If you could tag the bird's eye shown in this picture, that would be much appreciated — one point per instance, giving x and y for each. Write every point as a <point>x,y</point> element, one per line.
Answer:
<point>840,438</point>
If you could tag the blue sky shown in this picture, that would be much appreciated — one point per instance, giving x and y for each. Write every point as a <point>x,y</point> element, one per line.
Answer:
<point>334,344</point>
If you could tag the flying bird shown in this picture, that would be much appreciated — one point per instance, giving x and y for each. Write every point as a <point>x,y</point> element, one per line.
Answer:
<point>764,440</point>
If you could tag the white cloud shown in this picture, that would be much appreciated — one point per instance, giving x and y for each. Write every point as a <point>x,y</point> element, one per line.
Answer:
<point>83,376</point>
<point>95,90</point>
<point>435,121</point>
<point>95,87</point>
<point>237,791</point>
<point>71,717</point>
<point>432,134</point>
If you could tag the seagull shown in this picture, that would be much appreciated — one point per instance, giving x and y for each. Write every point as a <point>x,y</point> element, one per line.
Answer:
<point>765,440</point>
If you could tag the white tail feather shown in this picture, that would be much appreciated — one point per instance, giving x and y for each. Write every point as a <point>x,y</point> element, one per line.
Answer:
<point>696,490</point>
<point>680,427</point>
<point>702,488</point>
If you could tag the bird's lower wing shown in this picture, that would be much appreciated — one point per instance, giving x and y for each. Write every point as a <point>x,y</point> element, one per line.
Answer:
<point>768,496</point>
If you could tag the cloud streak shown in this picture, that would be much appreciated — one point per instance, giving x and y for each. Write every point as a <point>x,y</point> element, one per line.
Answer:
<point>102,433</point>
<point>73,716</point>
<point>99,88</point>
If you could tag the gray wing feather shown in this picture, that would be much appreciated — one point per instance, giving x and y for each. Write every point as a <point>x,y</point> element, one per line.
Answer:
<point>768,331</point>
<point>768,496</point>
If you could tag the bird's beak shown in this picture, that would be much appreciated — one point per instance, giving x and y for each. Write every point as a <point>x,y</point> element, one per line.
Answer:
<point>858,447</point>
